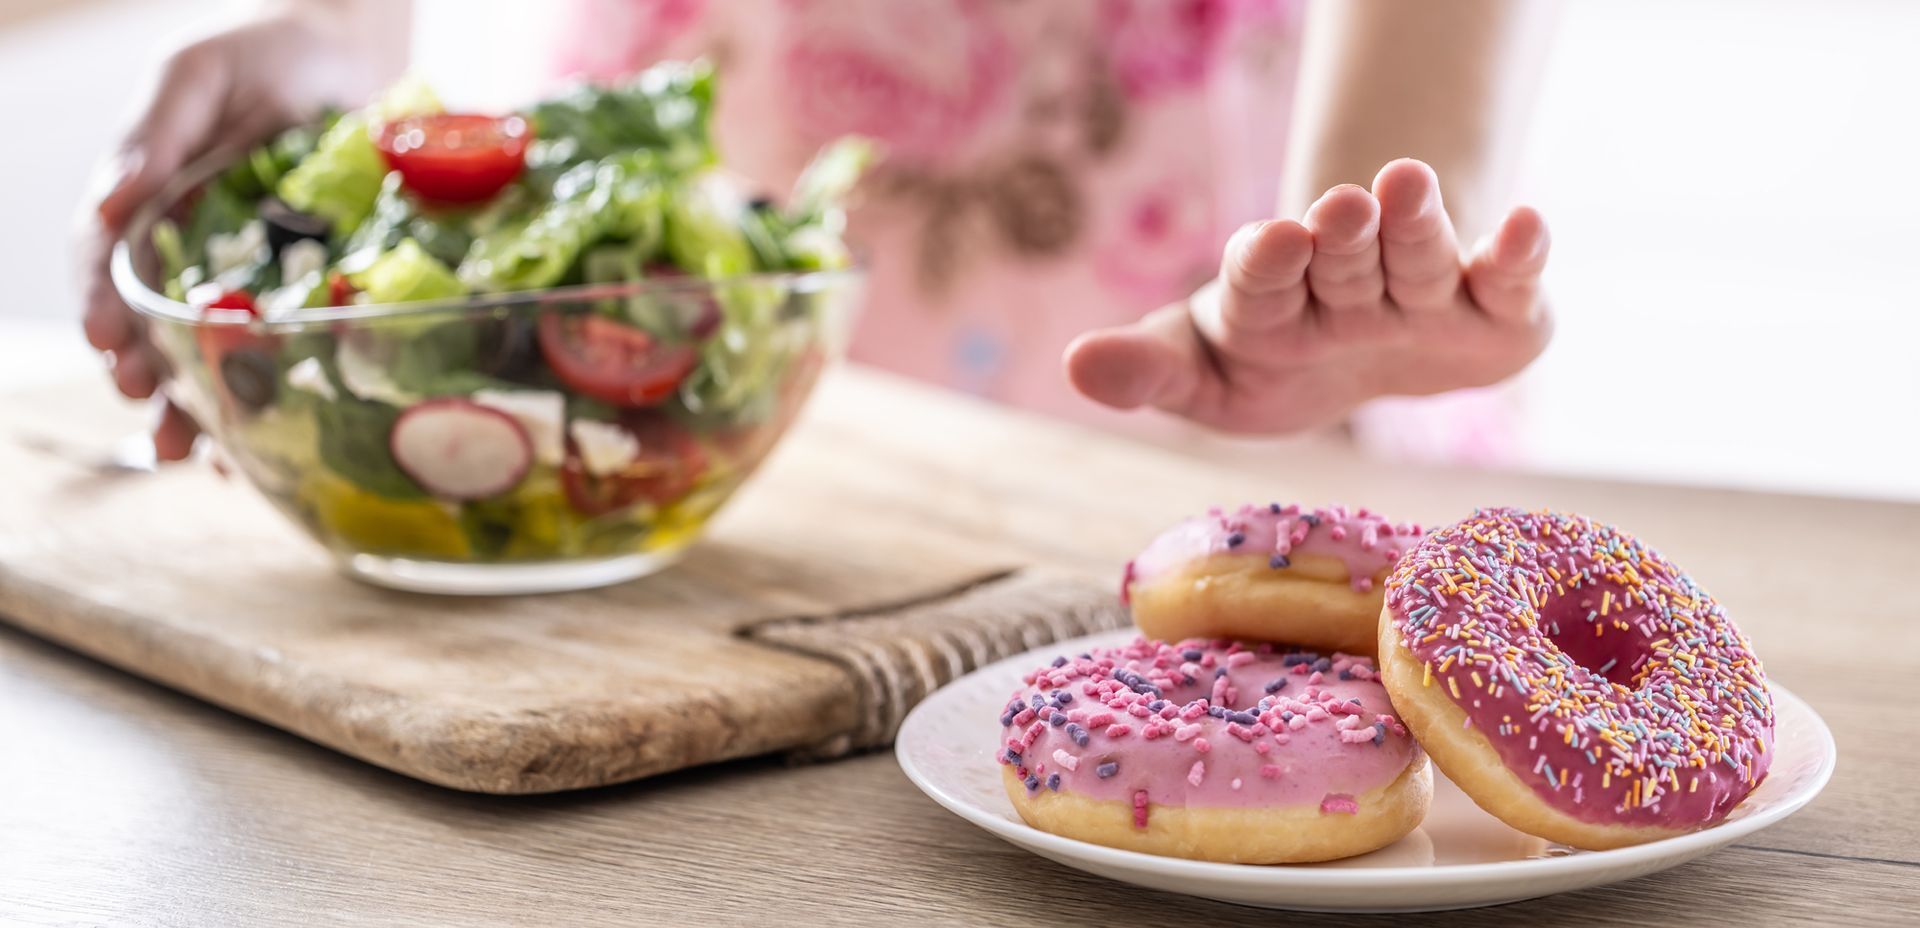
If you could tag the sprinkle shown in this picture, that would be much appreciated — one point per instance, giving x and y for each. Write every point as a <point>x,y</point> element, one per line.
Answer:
<point>1338,804</point>
<point>1278,561</point>
<point>1107,770</point>
<point>1270,771</point>
<point>1053,782</point>
<point>1140,808</point>
<point>1196,773</point>
<point>1468,602</point>
<point>1061,757</point>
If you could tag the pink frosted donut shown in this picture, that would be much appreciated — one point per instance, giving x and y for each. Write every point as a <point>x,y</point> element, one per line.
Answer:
<point>1572,681</point>
<point>1212,750</point>
<point>1269,573</point>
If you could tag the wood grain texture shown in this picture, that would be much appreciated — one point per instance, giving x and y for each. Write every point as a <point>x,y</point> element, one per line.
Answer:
<point>194,582</point>
<point>126,803</point>
<point>139,806</point>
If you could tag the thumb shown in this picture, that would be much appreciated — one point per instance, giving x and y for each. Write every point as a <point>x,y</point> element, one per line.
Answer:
<point>1151,363</point>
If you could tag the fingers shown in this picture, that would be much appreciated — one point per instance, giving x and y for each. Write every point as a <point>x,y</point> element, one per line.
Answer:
<point>1503,276</point>
<point>1157,361</point>
<point>1345,271</point>
<point>1417,245</point>
<point>135,372</point>
<point>1264,271</point>
<point>107,321</point>
<point>173,436</point>
<point>176,123</point>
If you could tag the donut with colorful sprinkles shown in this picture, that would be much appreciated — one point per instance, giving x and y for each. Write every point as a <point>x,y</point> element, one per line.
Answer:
<point>1572,681</point>
<point>1213,750</point>
<point>1269,573</point>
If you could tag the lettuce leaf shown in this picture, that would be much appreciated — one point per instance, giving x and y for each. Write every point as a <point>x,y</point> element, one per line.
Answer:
<point>665,109</point>
<point>821,192</point>
<point>704,234</point>
<point>407,274</point>
<point>621,198</point>
<point>443,233</point>
<point>741,363</point>
<point>340,179</point>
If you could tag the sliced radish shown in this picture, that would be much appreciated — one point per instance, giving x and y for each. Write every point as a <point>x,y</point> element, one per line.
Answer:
<point>458,449</point>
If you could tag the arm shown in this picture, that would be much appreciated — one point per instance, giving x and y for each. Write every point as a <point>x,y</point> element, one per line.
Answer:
<point>1447,83</point>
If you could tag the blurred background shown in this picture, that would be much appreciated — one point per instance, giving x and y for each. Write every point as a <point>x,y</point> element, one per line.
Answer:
<point>1736,219</point>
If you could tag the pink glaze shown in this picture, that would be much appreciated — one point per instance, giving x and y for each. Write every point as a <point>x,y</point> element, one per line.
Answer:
<point>1606,679</point>
<point>1307,743</point>
<point>1365,542</point>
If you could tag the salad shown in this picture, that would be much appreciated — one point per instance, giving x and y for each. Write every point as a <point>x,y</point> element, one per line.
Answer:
<point>675,325</point>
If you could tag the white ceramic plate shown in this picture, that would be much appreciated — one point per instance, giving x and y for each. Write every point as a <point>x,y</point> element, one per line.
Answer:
<point>1460,856</point>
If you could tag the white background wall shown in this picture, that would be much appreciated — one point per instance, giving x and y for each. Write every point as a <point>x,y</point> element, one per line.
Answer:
<point>1734,187</point>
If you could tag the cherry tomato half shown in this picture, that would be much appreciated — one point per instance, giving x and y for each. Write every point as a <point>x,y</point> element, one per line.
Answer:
<point>612,361</point>
<point>234,299</point>
<point>669,464</point>
<point>239,360</point>
<point>340,290</point>
<point>456,157</point>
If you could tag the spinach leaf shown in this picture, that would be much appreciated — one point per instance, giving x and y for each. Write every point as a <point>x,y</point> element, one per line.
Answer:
<point>353,442</point>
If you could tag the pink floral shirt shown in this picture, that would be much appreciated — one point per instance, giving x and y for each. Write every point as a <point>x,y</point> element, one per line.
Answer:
<point>1052,165</point>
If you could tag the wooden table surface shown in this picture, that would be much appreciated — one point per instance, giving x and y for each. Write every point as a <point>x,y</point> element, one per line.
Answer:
<point>124,803</point>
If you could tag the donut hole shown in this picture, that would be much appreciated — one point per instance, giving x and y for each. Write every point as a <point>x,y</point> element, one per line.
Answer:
<point>1598,628</point>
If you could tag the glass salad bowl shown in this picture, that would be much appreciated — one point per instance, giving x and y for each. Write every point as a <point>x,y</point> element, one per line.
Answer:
<point>540,440</point>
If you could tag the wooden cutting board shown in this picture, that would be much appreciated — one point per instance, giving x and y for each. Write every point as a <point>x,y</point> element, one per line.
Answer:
<point>787,628</point>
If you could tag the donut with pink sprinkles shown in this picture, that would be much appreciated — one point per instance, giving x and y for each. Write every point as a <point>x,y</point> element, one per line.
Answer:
<point>1213,750</point>
<point>1572,681</point>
